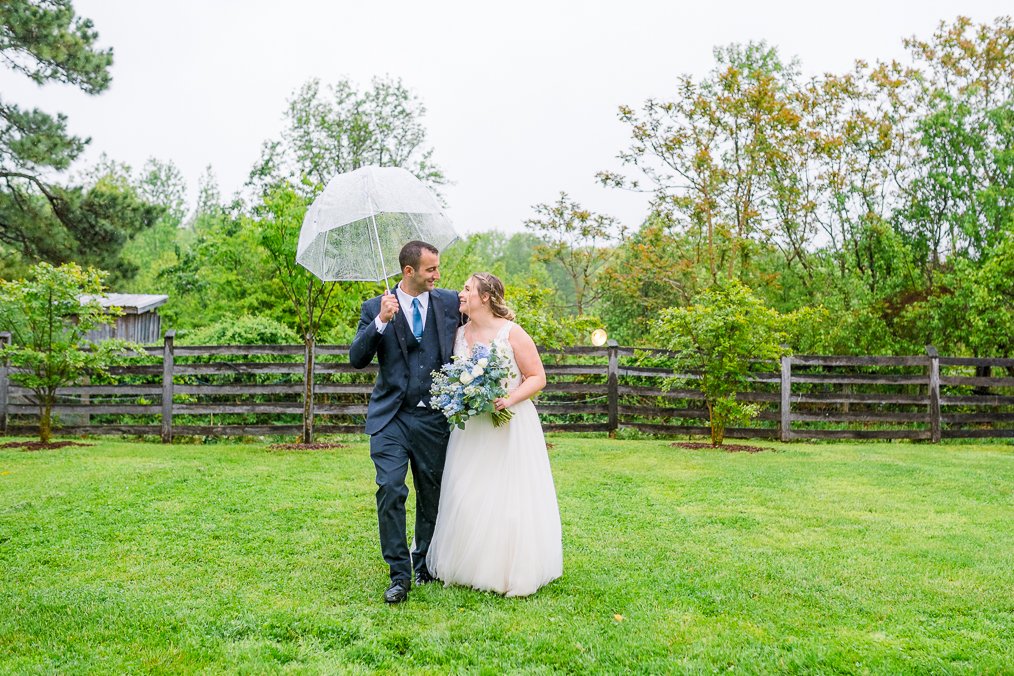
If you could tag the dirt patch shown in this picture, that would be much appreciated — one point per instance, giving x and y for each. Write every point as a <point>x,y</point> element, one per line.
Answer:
<point>321,446</point>
<point>728,448</point>
<point>39,446</point>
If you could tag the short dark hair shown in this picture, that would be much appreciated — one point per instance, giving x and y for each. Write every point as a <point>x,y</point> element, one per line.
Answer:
<point>412,252</point>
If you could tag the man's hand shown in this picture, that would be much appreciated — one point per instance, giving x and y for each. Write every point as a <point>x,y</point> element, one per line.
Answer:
<point>388,306</point>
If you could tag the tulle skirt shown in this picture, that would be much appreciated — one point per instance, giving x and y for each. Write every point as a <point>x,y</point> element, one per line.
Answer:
<point>498,524</point>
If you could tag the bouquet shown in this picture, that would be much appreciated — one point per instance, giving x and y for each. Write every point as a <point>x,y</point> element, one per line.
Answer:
<point>469,385</point>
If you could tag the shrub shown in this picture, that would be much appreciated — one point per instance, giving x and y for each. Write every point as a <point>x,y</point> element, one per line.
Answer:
<point>718,340</point>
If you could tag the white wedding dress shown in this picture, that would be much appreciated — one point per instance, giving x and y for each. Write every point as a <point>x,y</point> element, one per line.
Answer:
<point>498,524</point>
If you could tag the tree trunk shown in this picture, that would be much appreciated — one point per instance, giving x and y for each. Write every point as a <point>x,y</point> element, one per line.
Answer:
<point>45,421</point>
<point>982,372</point>
<point>716,425</point>
<point>309,345</point>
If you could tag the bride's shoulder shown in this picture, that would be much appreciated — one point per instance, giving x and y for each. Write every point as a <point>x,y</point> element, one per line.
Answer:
<point>515,332</point>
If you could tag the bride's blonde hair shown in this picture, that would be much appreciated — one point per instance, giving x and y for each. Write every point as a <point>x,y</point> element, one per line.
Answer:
<point>489,284</point>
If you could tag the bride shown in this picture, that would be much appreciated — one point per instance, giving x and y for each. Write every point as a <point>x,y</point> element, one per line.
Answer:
<point>498,523</point>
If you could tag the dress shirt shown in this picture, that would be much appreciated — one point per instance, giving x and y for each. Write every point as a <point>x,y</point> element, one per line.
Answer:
<point>405,301</point>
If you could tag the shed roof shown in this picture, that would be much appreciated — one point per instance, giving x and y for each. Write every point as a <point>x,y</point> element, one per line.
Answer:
<point>132,303</point>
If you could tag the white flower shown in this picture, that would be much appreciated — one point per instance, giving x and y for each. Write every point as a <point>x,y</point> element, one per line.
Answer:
<point>483,362</point>
<point>477,371</point>
<point>466,378</point>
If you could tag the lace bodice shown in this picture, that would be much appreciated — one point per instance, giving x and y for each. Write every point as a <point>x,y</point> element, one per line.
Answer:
<point>462,348</point>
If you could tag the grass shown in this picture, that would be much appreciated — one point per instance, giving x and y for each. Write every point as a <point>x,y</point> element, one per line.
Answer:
<point>851,558</point>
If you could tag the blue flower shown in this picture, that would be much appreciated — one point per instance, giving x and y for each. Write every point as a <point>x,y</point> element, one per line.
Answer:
<point>460,394</point>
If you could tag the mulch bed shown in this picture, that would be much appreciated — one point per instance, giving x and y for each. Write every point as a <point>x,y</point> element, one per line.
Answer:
<point>728,448</point>
<point>39,446</point>
<point>320,446</point>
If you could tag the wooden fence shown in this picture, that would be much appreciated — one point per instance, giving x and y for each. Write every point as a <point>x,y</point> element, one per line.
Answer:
<point>257,390</point>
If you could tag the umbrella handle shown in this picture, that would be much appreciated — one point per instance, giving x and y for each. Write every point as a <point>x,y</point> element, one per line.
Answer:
<point>376,236</point>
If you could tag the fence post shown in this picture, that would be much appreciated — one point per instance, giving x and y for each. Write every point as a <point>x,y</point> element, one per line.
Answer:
<point>613,386</point>
<point>784,431</point>
<point>309,354</point>
<point>5,339</point>
<point>934,393</point>
<point>167,386</point>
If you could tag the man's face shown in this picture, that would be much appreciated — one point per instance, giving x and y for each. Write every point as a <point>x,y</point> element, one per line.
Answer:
<point>426,276</point>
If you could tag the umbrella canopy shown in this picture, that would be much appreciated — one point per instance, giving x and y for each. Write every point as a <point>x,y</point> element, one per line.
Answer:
<point>355,229</point>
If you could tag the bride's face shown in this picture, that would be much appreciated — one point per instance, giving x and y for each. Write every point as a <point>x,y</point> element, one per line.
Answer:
<point>469,299</point>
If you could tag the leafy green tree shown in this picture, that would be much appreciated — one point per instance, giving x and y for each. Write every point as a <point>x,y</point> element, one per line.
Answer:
<point>311,301</point>
<point>335,129</point>
<point>49,316</point>
<point>244,330</point>
<point>209,196</point>
<point>956,190</point>
<point>708,155</point>
<point>537,312</point>
<point>152,250</point>
<point>312,304</point>
<point>326,133</point>
<point>39,219</point>
<point>577,240</point>
<point>653,269</point>
<point>718,338</point>
<point>974,311</point>
<point>221,271</point>
<point>511,258</point>
<point>965,127</point>
<point>821,329</point>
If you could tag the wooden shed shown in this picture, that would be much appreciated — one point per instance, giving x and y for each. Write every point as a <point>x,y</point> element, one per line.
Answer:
<point>139,323</point>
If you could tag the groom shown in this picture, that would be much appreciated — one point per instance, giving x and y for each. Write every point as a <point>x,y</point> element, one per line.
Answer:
<point>411,331</point>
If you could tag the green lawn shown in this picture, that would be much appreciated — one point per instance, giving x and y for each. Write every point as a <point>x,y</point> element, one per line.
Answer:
<point>855,558</point>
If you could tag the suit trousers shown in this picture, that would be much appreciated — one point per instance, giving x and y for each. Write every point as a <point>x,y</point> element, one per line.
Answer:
<point>416,437</point>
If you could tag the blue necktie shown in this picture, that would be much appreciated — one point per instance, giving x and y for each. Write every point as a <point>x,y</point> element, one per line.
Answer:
<point>417,325</point>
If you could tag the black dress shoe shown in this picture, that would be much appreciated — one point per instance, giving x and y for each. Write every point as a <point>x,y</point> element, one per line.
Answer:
<point>397,592</point>
<point>423,577</point>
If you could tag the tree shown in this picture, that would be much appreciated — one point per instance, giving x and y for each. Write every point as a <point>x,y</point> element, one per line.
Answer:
<point>579,241</point>
<point>710,155</point>
<point>160,184</point>
<point>512,259</point>
<point>49,316</point>
<point>310,300</point>
<point>219,271</point>
<point>328,133</point>
<point>336,129</point>
<point>40,220</point>
<point>956,196</point>
<point>536,311</point>
<point>719,338</point>
<point>209,196</point>
<point>961,189</point>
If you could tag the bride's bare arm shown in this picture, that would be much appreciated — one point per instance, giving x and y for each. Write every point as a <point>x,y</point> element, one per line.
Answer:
<point>529,363</point>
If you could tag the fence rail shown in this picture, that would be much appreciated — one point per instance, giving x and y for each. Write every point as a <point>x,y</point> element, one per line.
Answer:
<point>237,390</point>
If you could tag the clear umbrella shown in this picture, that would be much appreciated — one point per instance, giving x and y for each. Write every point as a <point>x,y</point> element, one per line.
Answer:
<point>354,230</point>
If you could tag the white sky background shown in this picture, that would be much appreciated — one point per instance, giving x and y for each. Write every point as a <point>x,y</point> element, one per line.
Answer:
<point>521,97</point>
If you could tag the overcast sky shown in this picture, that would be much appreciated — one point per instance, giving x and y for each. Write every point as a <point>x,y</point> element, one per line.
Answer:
<point>521,97</point>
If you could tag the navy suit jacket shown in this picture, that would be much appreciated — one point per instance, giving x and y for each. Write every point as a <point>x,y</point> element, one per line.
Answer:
<point>391,350</point>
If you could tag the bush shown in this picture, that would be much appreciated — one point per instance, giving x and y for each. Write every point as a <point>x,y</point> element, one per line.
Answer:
<point>245,330</point>
<point>718,339</point>
<point>543,322</point>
